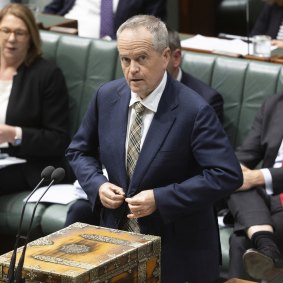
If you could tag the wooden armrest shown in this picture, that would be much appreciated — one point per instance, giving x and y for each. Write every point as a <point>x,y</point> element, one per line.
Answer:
<point>64,30</point>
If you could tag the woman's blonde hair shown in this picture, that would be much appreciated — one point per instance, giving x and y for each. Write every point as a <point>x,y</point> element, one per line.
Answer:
<point>25,14</point>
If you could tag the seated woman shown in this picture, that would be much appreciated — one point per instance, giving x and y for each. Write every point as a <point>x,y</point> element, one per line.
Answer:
<point>33,102</point>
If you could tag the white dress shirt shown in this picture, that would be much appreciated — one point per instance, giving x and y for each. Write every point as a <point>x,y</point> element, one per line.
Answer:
<point>87,13</point>
<point>5,90</point>
<point>151,104</point>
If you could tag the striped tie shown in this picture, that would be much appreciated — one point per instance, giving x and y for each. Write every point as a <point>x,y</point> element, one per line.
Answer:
<point>132,157</point>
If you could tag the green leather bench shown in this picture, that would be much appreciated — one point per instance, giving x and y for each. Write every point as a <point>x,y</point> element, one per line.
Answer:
<point>87,63</point>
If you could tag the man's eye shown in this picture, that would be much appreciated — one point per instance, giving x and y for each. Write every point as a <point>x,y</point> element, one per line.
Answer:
<point>141,59</point>
<point>125,60</point>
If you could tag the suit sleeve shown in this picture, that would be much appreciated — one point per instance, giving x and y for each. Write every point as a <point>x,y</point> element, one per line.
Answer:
<point>217,176</point>
<point>83,154</point>
<point>261,24</point>
<point>251,152</point>
<point>54,7</point>
<point>156,8</point>
<point>49,136</point>
<point>217,104</point>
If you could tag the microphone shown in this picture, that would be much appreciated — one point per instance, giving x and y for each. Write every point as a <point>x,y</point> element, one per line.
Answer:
<point>45,175</point>
<point>57,176</point>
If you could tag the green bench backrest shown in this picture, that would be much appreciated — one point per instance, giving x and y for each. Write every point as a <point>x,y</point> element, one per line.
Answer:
<point>86,64</point>
<point>243,84</point>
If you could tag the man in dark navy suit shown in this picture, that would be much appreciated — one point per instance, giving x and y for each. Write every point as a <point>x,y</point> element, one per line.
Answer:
<point>166,166</point>
<point>213,98</point>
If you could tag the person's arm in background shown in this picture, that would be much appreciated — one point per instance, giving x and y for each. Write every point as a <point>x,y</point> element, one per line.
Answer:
<point>45,126</point>
<point>261,24</point>
<point>155,7</point>
<point>277,43</point>
<point>216,101</point>
<point>54,7</point>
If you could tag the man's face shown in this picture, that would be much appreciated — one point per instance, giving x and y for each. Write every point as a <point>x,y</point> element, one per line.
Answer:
<point>143,67</point>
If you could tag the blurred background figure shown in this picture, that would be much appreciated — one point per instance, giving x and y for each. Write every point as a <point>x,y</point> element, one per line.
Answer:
<point>33,102</point>
<point>99,19</point>
<point>174,68</point>
<point>270,21</point>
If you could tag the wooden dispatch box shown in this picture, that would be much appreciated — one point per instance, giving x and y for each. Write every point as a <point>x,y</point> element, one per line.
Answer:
<point>85,253</point>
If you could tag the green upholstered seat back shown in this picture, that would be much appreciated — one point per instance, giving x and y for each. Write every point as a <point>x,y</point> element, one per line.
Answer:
<point>86,64</point>
<point>243,84</point>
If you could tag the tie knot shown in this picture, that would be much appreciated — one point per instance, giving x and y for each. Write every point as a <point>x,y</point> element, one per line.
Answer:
<point>139,108</point>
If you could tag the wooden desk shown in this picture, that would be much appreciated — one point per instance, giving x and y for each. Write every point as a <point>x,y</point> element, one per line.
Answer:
<point>276,54</point>
<point>51,22</point>
<point>235,280</point>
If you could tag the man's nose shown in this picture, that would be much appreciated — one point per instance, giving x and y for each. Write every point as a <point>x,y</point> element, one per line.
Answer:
<point>134,66</point>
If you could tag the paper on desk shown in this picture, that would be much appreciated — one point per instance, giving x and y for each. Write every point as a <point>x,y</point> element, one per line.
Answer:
<point>10,161</point>
<point>62,194</point>
<point>213,44</point>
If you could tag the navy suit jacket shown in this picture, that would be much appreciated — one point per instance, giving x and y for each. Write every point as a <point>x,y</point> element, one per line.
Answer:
<point>186,158</point>
<point>268,21</point>
<point>209,94</point>
<point>125,9</point>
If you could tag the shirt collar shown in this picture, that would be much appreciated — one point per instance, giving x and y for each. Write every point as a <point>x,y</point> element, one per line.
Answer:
<point>152,100</point>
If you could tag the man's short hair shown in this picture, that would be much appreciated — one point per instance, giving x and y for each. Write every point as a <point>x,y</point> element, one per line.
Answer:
<point>151,23</point>
<point>174,39</point>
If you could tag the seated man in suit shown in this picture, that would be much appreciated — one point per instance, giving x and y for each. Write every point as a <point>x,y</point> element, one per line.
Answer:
<point>257,207</point>
<point>99,19</point>
<point>174,68</point>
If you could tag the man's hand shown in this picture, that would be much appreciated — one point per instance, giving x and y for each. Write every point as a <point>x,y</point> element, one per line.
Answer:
<point>277,43</point>
<point>252,178</point>
<point>142,204</point>
<point>7,133</point>
<point>111,196</point>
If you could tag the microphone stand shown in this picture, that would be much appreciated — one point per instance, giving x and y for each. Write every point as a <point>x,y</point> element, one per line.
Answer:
<point>56,176</point>
<point>44,174</point>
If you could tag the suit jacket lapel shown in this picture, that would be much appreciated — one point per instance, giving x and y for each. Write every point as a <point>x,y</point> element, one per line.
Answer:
<point>119,133</point>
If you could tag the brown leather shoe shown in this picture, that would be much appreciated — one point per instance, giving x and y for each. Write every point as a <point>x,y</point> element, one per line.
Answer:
<point>261,267</point>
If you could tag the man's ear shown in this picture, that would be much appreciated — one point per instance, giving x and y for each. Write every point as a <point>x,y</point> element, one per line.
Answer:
<point>166,54</point>
<point>177,55</point>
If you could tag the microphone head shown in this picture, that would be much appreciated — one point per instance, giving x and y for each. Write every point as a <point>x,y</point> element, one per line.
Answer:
<point>46,172</point>
<point>58,175</point>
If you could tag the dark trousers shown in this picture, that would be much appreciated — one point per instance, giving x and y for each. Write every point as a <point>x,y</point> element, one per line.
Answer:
<point>253,207</point>
<point>81,211</point>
